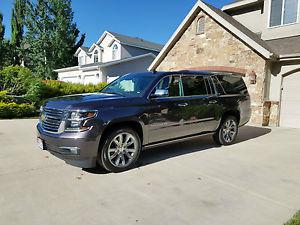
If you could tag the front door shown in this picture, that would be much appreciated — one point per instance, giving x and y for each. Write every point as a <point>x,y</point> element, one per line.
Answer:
<point>167,111</point>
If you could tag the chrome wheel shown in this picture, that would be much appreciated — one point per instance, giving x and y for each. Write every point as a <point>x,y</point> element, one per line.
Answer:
<point>122,150</point>
<point>229,130</point>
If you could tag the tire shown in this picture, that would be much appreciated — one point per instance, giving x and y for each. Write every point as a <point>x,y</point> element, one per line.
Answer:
<point>227,131</point>
<point>120,150</point>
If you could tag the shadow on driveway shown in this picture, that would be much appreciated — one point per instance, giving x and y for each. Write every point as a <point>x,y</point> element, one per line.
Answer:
<point>161,153</point>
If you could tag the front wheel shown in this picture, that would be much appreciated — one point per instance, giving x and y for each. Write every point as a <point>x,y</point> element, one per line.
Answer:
<point>227,132</point>
<point>120,150</point>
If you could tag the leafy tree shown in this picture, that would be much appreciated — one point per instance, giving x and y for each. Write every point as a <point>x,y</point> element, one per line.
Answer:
<point>52,36</point>
<point>17,29</point>
<point>16,79</point>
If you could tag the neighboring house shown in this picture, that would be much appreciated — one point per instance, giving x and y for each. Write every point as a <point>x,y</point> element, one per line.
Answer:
<point>111,56</point>
<point>258,39</point>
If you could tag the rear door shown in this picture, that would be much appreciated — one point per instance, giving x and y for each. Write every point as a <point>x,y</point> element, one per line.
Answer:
<point>203,109</point>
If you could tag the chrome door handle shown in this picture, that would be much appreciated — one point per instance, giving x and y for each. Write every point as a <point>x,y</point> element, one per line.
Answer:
<point>212,102</point>
<point>182,104</point>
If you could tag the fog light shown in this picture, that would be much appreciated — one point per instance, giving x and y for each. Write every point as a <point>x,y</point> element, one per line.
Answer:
<point>69,150</point>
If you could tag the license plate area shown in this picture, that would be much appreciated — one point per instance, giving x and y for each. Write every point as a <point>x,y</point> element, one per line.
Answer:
<point>40,144</point>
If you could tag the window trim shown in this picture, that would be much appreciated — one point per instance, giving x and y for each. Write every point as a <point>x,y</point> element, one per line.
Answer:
<point>282,16</point>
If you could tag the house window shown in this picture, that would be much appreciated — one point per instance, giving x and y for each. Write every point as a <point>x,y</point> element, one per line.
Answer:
<point>96,56</point>
<point>115,52</point>
<point>201,25</point>
<point>283,12</point>
<point>81,60</point>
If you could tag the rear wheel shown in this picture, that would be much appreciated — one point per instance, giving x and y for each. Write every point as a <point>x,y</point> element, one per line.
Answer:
<point>227,132</point>
<point>120,150</point>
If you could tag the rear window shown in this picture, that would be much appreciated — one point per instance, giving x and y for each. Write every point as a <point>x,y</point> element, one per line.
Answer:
<point>230,84</point>
<point>194,85</point>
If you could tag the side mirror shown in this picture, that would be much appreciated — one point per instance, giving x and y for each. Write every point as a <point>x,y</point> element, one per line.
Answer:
<point>160,93</point>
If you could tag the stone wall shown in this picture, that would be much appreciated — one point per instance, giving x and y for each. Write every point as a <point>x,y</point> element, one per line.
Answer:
<point>218,47</point>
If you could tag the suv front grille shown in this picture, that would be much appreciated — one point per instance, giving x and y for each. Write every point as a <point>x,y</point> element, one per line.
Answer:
<point>52,119</point>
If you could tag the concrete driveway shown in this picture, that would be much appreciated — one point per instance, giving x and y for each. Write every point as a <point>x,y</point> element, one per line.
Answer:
<point>255,181</point>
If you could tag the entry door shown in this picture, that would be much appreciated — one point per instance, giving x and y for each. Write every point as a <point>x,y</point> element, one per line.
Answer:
<point>290,101</point>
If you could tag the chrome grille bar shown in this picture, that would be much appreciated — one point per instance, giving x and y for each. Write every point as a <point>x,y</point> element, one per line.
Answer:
<point>52,119</point>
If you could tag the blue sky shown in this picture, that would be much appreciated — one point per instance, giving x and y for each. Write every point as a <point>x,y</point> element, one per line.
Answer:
<point>153,20</point>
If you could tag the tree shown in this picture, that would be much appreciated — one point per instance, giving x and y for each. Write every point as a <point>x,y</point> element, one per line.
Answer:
<point>17,29</point>
<point>52,36</point>
<point>2,31</point>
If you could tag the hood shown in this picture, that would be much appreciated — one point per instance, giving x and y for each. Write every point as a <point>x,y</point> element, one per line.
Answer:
<point>80,100</point>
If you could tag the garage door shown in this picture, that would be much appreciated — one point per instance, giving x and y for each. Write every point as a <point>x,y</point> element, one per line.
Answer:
<point>290,102</point>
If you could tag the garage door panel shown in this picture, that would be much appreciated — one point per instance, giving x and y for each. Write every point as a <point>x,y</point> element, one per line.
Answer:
<point>290,101</point>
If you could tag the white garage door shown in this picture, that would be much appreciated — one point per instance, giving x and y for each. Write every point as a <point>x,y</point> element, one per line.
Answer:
<point>290,102</point>
<point>90,79</point>
<point>70,79</point>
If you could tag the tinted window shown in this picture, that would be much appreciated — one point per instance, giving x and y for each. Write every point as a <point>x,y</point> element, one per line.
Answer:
<point>194,85</point>
<point>232,84</point>
<point>169,85</point>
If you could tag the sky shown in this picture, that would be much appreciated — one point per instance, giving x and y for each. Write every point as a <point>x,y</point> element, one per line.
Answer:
<point>154,20</point>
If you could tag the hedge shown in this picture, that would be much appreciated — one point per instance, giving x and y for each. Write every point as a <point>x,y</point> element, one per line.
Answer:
<point>14,110</point>
<point>42,90</point>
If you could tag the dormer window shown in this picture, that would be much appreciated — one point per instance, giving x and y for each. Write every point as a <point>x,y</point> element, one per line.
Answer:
<point>80,60</point>
<point>201,25</point>
<point>115,52</point>
<point>96,56</point>
<point>283,12</point>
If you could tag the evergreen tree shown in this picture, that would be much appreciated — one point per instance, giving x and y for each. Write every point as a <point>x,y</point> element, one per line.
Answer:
<point>52,36</point>
<point>2,31</point>
<point>17,29</point>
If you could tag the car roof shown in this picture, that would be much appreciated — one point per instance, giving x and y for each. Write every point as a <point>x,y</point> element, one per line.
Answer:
<point>188,72</point>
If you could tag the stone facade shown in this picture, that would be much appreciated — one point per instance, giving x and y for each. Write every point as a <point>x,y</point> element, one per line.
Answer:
<point>218,47</point>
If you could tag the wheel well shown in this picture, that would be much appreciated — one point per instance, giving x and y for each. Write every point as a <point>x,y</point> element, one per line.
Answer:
<point>234,113</point>
<point>136,126</point>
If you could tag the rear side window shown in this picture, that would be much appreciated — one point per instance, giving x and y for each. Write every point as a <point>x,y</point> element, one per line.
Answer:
<point>230,84</point>
<point>194,85</point>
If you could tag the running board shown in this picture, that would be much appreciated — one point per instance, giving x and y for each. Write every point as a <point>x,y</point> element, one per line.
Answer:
<point>176,140</point>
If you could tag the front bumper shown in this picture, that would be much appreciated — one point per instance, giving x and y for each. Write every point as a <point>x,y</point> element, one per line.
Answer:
<point>77,149</point>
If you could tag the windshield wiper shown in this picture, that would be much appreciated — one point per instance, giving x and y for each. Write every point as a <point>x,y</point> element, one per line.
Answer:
<point>113,93</point>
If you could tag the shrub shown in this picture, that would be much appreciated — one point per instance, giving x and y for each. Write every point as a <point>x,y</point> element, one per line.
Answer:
<point>4,97</point>
<point>295,220</point>
<point>42,90</point>
<point>16,79</point>
<point>14,110</point>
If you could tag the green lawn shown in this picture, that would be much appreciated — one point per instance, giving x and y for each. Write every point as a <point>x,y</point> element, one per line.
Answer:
<point>295,220</point>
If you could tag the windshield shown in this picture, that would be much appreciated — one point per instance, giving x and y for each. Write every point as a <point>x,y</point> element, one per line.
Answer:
<point>131,85</point>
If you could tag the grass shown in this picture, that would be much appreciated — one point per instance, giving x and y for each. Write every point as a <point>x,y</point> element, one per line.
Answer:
<point>295,220</point>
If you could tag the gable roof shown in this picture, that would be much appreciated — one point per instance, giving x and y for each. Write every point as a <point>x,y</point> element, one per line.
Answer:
<point>83,48</point>
<point>229,23</point>
<point>132,41</point>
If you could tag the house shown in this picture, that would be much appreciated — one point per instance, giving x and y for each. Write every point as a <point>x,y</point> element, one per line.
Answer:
<point>111,56</point>
<point>259,39</point>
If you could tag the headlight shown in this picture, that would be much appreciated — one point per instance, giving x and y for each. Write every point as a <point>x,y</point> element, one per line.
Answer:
<point>76,120</point>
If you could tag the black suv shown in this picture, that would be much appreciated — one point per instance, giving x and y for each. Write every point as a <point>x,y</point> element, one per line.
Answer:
<point>142,110</point>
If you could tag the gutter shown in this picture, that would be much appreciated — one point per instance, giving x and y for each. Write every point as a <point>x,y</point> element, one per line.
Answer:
<point>289,57</point>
